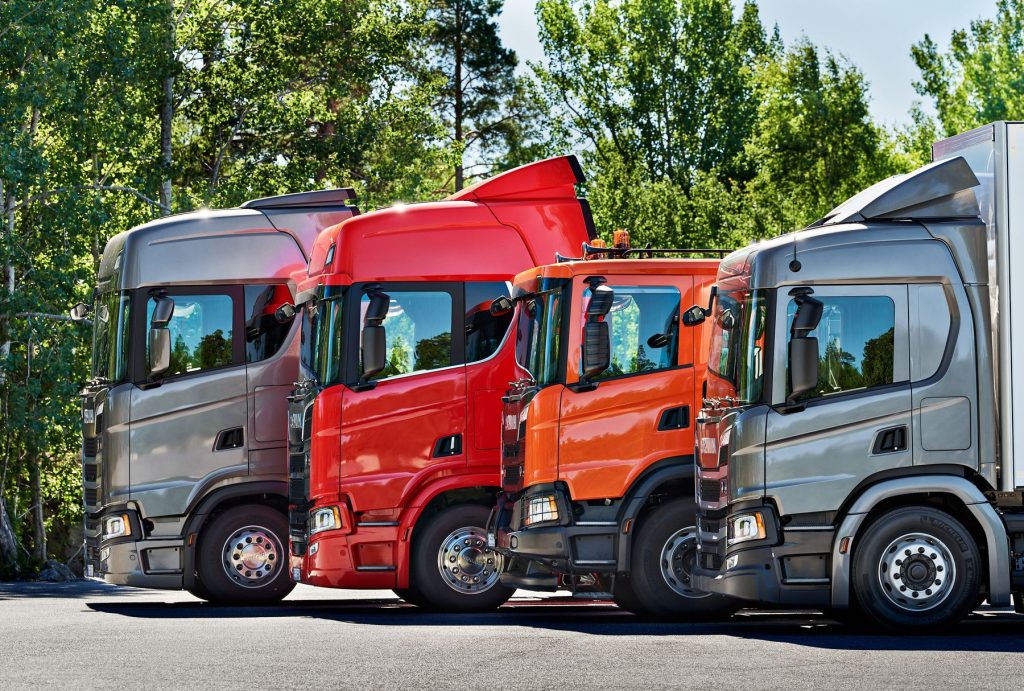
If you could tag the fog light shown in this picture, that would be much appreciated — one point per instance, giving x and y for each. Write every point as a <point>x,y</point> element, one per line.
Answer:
<point>745,527</point>
<point>116,526</point>
<point>326,518</point>
<point>541,510</point>
<point>731,562</point>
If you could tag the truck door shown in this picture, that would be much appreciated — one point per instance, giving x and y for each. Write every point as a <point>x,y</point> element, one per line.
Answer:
<point>412,423</point>
<point>641,410</point>
<point>187,427</point>
<point>858,419</point>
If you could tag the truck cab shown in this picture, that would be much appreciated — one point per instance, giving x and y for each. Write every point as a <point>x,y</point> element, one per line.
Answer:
<point>597,456</point>
<point>394,426</point>
<point>853,443</point>
<point>184,431</point>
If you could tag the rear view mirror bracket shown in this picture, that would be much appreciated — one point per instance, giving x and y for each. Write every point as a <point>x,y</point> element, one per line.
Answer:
<point>373,350</point>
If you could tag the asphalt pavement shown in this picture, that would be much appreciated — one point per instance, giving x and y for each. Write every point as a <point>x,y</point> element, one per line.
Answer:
<point>92,635</point>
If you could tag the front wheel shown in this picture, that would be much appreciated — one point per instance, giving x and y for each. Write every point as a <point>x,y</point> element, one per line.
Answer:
<point>916,568</point>
<point>452,568</point>
<point>242,557</point>
<point>663,557</point>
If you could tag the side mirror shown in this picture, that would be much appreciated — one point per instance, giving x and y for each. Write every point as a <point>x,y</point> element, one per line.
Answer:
<point>285,313</point>
<point>80,312</point>
<point>803,366</point>
<point>658,341</point>
<point>501,306</point>
<point>597,342</point>
<point>163,311</point>
<point>694,316</point>
<point>375,342</point>
<point>159,350</point>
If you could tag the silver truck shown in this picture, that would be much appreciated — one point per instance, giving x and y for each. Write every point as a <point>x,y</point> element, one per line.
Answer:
<point>195,350</point>
<point>857,450</point>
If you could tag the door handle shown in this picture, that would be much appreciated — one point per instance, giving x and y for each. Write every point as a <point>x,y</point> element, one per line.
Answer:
<point>229,439</point>
<point>891,440</point>
<point>674,418</point>
<point>448,446</point>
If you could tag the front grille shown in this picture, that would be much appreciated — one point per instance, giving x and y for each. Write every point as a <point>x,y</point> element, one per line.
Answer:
<point>710,526</point>
<point>710,490</point>
<point>91,496</point>
<point>91,447</point>
<point>299,407</point>
<point>90,472</point>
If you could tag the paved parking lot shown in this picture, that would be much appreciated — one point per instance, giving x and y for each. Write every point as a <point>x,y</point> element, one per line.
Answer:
<point>93,635</point>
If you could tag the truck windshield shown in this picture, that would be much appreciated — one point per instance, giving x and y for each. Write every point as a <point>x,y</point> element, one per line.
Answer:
<point>539,332</point>
<point>322,337</point>
<point>736,360</point>
<point>110,336</point>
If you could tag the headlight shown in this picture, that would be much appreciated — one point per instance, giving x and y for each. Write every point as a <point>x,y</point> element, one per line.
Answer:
<point>747,526</point>
<point>323,519</point>
<point>116,526</point>
<point>541,510</point>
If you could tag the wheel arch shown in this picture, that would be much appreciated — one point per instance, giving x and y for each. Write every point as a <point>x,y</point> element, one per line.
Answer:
<point>673,473</point>
<point>953,493</point>
<point>265,493</point>
<point>477,489</point>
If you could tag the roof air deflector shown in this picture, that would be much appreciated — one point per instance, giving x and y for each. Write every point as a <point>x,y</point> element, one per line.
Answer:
<point>938,190</point>
<point>335,197</point>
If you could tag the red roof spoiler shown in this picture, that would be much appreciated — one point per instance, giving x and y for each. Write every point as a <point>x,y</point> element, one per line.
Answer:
<point>553,178</point>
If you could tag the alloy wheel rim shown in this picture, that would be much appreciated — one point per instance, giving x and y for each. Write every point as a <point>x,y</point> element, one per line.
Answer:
<point>678,557</point>
<point>465,562</point>
<point>252,556</point>
<point>917,572</point>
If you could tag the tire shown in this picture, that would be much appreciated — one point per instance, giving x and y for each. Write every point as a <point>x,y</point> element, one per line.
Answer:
<point>657,586</point>
<point>244,536</point>
<point>407,594</point>
<point>449,553</point>
<point>939,570</point>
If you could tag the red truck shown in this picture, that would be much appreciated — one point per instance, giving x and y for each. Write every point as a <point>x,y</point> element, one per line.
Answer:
<point>394,427</point>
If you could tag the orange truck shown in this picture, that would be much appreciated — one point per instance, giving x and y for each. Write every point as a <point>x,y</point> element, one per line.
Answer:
<point>598,444</point>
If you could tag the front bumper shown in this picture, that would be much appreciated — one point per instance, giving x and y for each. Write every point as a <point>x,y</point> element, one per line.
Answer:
<point>567,547</point>
<point>790,567</point>
<point>140,563</point>
<point>351,556</point>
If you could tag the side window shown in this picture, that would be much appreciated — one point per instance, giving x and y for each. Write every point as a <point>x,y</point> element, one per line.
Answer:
<point>483,331</point>
<point>200,332</point>
<point>264,335</point>
<point>644,327</point>
<point>855,343</point>
<point>418,328</point>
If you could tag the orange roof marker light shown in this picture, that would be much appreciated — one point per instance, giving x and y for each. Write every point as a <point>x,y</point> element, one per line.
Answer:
<point>620,249</point>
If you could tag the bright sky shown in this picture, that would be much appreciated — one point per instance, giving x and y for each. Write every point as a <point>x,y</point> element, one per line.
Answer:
<point>876,35</point>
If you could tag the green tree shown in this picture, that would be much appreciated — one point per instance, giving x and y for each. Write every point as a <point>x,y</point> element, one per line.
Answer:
<point>981,77</point>
<point>483,105</point>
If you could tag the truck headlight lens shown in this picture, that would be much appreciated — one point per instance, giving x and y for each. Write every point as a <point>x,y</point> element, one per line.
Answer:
<point>323,519</point>
<point>541,510</point>
<point>116,526</point>
<point>746,526</point>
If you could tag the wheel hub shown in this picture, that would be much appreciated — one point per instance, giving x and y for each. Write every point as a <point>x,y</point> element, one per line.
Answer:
<point>465,562</point>
<point>916,572</point>
<point>678,557</point>
<point>251,556</point>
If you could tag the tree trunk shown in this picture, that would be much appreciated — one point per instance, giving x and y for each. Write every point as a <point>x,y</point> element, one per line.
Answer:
<point>459,174</point>
<point>38,526</point>
<point>167,113</point>
<point>8,543</point>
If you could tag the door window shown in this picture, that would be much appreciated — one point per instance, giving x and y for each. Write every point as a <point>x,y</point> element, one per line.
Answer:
<point>264,334</point>
<point>201,333</point>
<point>855,343</point>
<point>644,327</point>
<point>484,332</point>
<point>418,329</point>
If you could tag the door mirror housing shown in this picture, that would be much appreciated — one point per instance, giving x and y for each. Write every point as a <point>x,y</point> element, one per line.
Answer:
<point>694,316</point>
<point>80,312</point>
<point>159,351</point>
<point>375,343</point>
<point>163,312</point>
<point>285,313</point>
<point>501,306</point>
<point>803,366</point>
<point>597,345</point>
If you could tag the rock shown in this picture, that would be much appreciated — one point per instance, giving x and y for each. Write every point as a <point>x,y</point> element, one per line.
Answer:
<point>55,572</point>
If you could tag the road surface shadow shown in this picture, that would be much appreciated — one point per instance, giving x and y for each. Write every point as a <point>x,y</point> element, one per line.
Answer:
<point>18,590</point>
<point>983,632</point>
